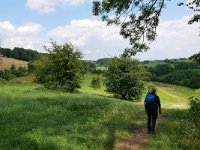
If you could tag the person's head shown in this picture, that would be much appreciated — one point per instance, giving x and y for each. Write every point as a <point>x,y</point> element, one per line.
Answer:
<point>152,90</point>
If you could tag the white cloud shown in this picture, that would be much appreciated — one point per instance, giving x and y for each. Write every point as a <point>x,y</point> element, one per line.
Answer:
<point>27,35</point>
<point>46,6</point>
<point>7,26</point>
<point>175,38</point>
<point>91,34</point>
<point>29,28</point>
<point>86,52</point>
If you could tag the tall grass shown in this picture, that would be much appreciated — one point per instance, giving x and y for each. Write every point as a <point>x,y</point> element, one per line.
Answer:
<point>35,118</point>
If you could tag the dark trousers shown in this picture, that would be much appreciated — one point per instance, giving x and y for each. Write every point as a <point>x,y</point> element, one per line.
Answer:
<point>151,120</point>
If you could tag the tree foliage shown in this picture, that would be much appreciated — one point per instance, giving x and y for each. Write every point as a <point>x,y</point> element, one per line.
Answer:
<point>124,78</point>
<point>138,19</point>
<point>88,66</point>
<point>21,54</point>
<point>61,69</point>
<point>196,57</point>
<point>175,71</point>
<point>103,62</point>
<point>96,82</point>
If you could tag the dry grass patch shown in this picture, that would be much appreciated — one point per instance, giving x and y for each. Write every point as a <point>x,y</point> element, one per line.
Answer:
<point>5,63</point>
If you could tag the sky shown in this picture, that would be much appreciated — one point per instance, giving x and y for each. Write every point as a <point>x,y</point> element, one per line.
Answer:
<point>32,23</point>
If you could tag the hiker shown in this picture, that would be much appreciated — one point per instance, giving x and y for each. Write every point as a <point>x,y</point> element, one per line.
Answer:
<point>152,105</point>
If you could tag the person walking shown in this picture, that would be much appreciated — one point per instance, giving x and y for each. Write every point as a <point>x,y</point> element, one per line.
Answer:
<point>152,106</point>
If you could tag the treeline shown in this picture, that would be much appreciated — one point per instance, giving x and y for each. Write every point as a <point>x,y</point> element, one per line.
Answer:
<point>21,54</point>
<point>178,71</point>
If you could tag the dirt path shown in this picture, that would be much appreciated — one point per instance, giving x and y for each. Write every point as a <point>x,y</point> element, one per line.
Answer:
<point>134,141</point>
<point>137,140</point>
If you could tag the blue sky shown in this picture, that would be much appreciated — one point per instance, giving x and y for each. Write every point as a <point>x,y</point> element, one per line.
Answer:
<point>31,23</point>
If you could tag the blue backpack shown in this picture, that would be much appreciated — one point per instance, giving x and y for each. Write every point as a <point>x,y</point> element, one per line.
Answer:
<point>150,98</point>
<point>150,102</point>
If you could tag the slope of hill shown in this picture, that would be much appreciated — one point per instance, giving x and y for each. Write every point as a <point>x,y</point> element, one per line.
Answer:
<point>5,63</point>
<point>33,117</point>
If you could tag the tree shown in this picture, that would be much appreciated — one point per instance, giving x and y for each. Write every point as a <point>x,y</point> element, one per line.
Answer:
<point>103,62</point>
<point>13,69</point>
<point>21,71</point>
<point>88,66</point>
<point>61,69</point>
<point>124,78</point>
<point>162,69</point>
<point>31,67</point>
<point>196,57</point>
<point>186,64</point>
<point>138,19</point>
<point>96,82</point>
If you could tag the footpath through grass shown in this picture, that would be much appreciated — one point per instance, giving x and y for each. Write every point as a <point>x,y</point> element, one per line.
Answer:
<point>34,118</point>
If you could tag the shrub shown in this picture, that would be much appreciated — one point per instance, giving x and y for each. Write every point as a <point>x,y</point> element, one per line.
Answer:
<point>61,69</point>
<point>124,78</point>
<point>8,75</point>
<point>194,83</point>
<point>31,67</point>
<point>96,82</point>
<point>195,103</point>
<point>21,72</point>
<point>192,128</point>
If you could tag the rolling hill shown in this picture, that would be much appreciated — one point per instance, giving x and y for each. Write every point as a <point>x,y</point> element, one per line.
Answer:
<point>5,63</point>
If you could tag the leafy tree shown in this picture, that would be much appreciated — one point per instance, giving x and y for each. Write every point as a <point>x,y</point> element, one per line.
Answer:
<point>2,74</point>
<point>185,64</point>
<point>8,75</point>
<point>31,67</point>
<point>189,78</point>
<point>162,69</point>
<point>21,72</point>
<point>13,69</point>
<point>103,62</point>
<point>124,78</point>
<point>196,57</point>
<point>21,54</point>
<point>138,19</point>
<point>194,82</point>
<point>61,69</point>
<point>96,82</point>
<point>88,66</point>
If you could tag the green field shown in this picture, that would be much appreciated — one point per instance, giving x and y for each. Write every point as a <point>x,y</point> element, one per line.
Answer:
<point>35,118</point>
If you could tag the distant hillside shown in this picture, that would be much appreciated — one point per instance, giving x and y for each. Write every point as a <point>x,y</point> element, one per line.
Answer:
<point>21,53</point>
<point>5,63</point>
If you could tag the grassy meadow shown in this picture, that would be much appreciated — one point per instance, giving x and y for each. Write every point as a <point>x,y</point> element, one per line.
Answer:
<point>33,117</point>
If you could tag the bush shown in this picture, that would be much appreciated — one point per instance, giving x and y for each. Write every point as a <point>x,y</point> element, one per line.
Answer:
<point>88,66</point>
<point>124,78</point>
<point>96,82</point>
<point>8,75</point>
<point>31,67</point>
<point>194,83</point>
<point>195,103</point>
<point>192,124</point>
<point>61,69</point>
